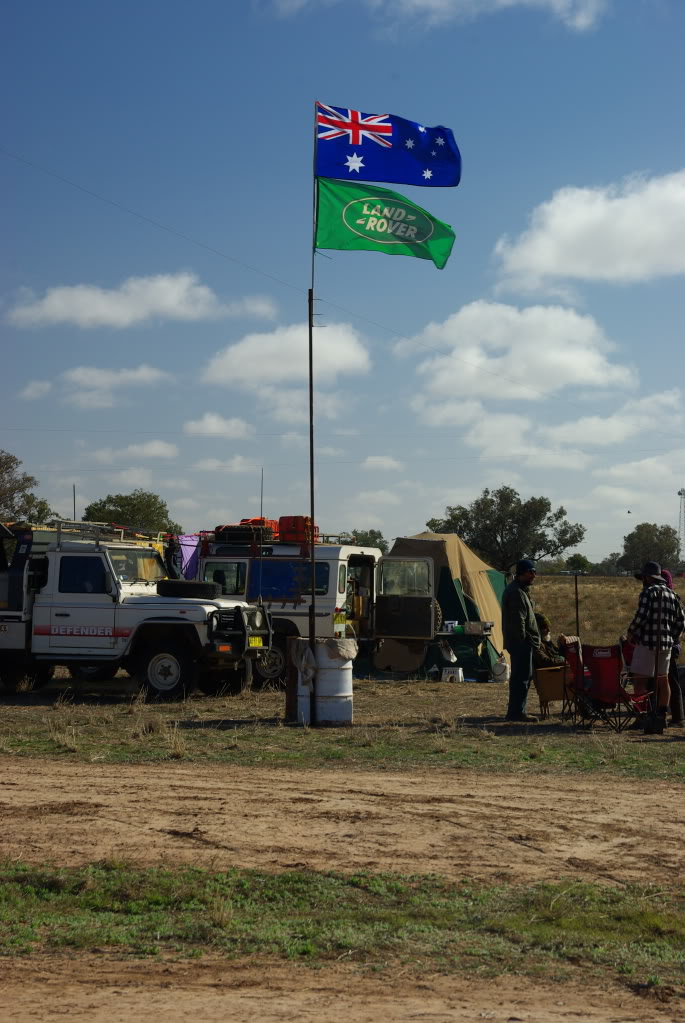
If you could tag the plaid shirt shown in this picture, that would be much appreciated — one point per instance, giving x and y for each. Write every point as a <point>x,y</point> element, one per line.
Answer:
<point>645,625</point>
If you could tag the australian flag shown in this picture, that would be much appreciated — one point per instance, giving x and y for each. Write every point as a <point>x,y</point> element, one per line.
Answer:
<point>381,147</point>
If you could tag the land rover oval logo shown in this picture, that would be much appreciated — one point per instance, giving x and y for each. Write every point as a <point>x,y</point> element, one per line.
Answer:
<point>399,224</point>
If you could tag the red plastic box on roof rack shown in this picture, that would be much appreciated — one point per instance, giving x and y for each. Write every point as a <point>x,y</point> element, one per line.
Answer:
<point>288,529</point>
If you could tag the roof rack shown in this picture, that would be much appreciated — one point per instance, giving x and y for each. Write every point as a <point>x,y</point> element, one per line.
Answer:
<point>100,531</point>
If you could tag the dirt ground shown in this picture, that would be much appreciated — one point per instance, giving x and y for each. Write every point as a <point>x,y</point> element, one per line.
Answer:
<point>102,990</point>
<point>490,827</point>
<point>454,823</point>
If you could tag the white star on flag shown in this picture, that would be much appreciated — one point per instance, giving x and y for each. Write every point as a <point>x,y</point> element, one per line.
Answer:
<point>428,174</point>
<point>409,143</point>
<point>433,153</point>
<point>440,142</point>
<point>354,162</point>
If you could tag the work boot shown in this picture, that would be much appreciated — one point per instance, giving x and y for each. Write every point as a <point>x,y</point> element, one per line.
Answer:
<point>529,718</point>
<point>654,724</point>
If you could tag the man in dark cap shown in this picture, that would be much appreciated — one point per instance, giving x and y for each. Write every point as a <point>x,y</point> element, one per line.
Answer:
<point>655,629</point>
<point>521,637</point>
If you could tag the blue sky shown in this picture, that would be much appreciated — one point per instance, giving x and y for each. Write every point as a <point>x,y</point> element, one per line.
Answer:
<point>546,355</point>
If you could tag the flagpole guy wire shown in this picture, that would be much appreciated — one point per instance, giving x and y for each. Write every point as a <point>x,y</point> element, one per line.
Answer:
<point>312,549</point>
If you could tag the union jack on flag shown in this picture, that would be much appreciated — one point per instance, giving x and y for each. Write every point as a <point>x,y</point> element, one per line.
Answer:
<point>334,122</point>
<point>401,151</point>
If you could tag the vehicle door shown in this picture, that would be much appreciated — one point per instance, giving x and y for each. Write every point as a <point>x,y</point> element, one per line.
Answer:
<point>231,575</point>
<point>83,606</point>
<point>404,605</point>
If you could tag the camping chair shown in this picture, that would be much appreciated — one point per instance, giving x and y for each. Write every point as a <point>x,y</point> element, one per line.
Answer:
<point>578,680</point>
<point>607,698</point>
<point>550,684</point>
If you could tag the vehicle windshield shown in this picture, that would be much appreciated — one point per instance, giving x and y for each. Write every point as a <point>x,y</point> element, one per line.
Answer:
<point>132,566</point>
<point>406,579</point>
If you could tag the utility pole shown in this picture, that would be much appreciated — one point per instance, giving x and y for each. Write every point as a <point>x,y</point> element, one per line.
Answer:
<point>681,523</point>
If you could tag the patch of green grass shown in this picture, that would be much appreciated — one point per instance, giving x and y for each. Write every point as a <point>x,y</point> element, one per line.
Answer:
<point>398,726</point>
<point>629,934</point>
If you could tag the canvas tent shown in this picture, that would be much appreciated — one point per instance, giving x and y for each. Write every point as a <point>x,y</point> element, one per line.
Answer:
<point>466,588</point>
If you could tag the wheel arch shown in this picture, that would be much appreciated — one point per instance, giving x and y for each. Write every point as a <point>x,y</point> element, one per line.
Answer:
<point>161,631</point>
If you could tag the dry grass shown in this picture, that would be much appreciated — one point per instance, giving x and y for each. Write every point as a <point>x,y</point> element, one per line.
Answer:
<point>606,604</point>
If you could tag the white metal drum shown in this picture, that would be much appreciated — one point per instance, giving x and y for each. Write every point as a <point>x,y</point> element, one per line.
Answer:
<point>333,686</point>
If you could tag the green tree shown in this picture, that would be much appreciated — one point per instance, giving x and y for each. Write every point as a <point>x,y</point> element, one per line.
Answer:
<point>16,500</point>
<point>141,509</point>
<point>649,542</point>
<point>35,510</point>
<point>370,538</point>
<point>502,528</point>
<point>579,564</point>
<point>552,566</point>
<point>608,566</point>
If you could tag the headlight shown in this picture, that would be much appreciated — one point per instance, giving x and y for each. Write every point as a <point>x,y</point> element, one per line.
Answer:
<point>259,619</point>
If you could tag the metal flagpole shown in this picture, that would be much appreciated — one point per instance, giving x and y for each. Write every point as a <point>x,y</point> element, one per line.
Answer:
<point>312,549</point>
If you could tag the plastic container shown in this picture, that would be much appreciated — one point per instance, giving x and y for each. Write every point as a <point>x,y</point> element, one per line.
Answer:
<point>501,672</point>
<point>333,688</point>
<point>453,674</point>
<point>296,529</point>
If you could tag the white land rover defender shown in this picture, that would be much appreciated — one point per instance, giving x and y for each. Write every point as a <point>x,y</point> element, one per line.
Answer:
<point>100,604</point>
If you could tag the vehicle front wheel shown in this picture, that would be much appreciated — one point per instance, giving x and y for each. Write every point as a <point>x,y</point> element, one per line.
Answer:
<point>167,672</point>
<point>272,668</point>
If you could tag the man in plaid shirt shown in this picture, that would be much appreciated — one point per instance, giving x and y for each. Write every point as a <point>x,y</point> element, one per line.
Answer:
<point>655,629</point>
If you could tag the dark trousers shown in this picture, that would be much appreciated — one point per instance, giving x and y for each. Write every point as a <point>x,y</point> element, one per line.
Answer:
<point>521,656</point>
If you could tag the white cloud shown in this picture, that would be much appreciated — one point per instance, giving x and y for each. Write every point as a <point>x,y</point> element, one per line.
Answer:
<point>293,439</point>
<point>291,404</point>
<point>578,15</point>
<point>35,389</point>
<point>147,449</point>
<point>634,417</point>
<point>382,463</point>
<point>177,296</point>
<point>211,424</point>
<point>94,387</point>
<point>376,497</point>
<point>508,436</point>
<point>273,367</point>
<point>501,352</point>
<point>329,452</point>
<point>665,471</point>
<point>633,231</point>
<point>280,357</point>
<point>236,464</point>
<point>132,477</point>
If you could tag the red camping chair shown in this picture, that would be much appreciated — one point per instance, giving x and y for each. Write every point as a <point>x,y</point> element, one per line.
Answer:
<point>607,698</point>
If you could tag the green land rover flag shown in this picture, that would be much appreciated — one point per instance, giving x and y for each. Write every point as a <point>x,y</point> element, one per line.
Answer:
<point>356,215</point>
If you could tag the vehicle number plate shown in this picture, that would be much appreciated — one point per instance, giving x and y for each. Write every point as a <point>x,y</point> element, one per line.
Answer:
<point>340,619</point>
<point>255,641</point>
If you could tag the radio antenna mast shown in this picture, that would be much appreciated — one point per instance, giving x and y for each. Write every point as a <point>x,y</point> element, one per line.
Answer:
<point>681,522</point>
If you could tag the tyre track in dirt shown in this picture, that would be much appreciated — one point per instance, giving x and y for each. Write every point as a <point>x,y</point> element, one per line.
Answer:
<point>100,989</point>
<point>486,826</point>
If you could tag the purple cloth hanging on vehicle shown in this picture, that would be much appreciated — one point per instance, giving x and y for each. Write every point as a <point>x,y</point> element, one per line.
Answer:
<point>189,553</point>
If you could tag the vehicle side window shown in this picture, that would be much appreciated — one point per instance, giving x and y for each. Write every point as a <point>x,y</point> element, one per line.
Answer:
<point>286,580</point>
<point>38,573</point>
<point>229,574</point>
<point>342,578</point>
<point>82,575</point>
